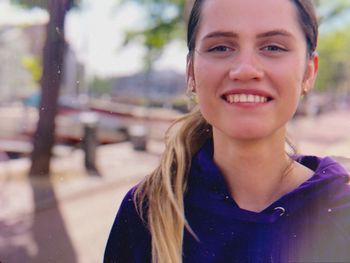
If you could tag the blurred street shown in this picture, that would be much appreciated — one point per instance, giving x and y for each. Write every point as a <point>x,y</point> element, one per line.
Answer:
<point>68,218</point>
<point>325,134</point>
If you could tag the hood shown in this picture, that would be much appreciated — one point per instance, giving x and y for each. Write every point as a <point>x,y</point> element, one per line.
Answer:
<point>328,189</point>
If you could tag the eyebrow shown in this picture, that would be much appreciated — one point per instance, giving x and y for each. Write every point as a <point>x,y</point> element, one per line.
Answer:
<point>231,34</point>
<point>276,32</point>
<point>221,34</point>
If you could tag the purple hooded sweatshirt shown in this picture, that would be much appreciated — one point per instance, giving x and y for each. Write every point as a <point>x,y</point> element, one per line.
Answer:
<point>309,224</point>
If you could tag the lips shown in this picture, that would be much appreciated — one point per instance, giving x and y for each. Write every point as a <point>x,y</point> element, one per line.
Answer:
<point>254,97</point>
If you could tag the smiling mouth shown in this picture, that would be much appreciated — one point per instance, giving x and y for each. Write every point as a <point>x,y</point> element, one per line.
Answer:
<point>245,98</point>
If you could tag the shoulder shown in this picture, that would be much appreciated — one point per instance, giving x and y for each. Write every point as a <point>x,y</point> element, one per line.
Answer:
<point>129,237</point>
<point>329,184</point>
<point>329,165</point>
<point>335,179</point>
<point>128,213</point>
<point>127,205</point>
<point>327,208</point>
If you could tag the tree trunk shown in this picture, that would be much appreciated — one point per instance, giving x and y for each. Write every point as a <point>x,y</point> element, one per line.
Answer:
<point>53,54</point>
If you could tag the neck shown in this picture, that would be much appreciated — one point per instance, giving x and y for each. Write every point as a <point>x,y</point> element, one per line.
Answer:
<point>256,172</point>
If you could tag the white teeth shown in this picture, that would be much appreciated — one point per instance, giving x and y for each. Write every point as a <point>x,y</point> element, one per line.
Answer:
<point>245,98</point>
<point>250,98</point>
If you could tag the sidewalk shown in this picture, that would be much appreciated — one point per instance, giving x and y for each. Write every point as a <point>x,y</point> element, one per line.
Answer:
<point>68,218</point>
<point>324,135</point>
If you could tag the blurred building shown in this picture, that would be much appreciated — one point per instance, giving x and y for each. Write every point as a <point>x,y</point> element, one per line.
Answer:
<point>21,38</point>
<point>155,87</point>
<point>73,81</point>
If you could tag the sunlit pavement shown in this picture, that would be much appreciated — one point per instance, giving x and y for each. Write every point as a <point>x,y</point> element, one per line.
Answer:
<point>324,135</point>
<point>67,219</point>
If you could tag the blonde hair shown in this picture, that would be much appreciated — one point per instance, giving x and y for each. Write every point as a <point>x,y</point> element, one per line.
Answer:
<point>161,193</point>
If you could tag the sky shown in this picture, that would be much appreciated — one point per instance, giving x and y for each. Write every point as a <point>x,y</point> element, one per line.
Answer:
<point>96,30</point>
<point>10,15</point>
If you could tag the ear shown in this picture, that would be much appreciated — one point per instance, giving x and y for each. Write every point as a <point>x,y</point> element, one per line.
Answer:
<point>310,73</point>
<point>189,71</point>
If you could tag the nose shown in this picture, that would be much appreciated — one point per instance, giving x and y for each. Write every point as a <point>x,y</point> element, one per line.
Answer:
<point>246,68</point>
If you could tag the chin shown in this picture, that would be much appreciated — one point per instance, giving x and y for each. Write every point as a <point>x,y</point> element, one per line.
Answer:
<point>247,133</point>
<point>249,136</point>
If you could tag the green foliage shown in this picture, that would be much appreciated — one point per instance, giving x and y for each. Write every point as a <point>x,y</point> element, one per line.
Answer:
<point>334,60</point>
<point>32,3</point>
<point>101,86</point>
<point>334,43</point>
<point>164,23</point>
<point>39,3</point>
<point>328,10</point>
<point>34,65</point>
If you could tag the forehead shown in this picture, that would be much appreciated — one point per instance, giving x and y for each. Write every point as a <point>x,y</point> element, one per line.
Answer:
<point>249,16</point>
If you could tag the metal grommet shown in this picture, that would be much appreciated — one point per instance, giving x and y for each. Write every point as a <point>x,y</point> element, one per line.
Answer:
<point>282,210</point>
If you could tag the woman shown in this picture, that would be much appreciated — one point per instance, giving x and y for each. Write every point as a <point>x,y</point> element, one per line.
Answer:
<point>226,190</point>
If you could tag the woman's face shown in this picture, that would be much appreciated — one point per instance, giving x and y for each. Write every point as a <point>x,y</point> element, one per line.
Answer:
<point>250,66</point>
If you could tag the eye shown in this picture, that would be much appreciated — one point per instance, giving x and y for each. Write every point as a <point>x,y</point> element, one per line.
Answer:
<point>274,48</point>
<point>220,49</point>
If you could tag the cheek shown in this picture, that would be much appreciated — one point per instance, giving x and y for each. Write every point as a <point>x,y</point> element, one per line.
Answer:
<point>202,73</point>
<point>291,76</point>
<point>206,71</point>
<point>209,81</point>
